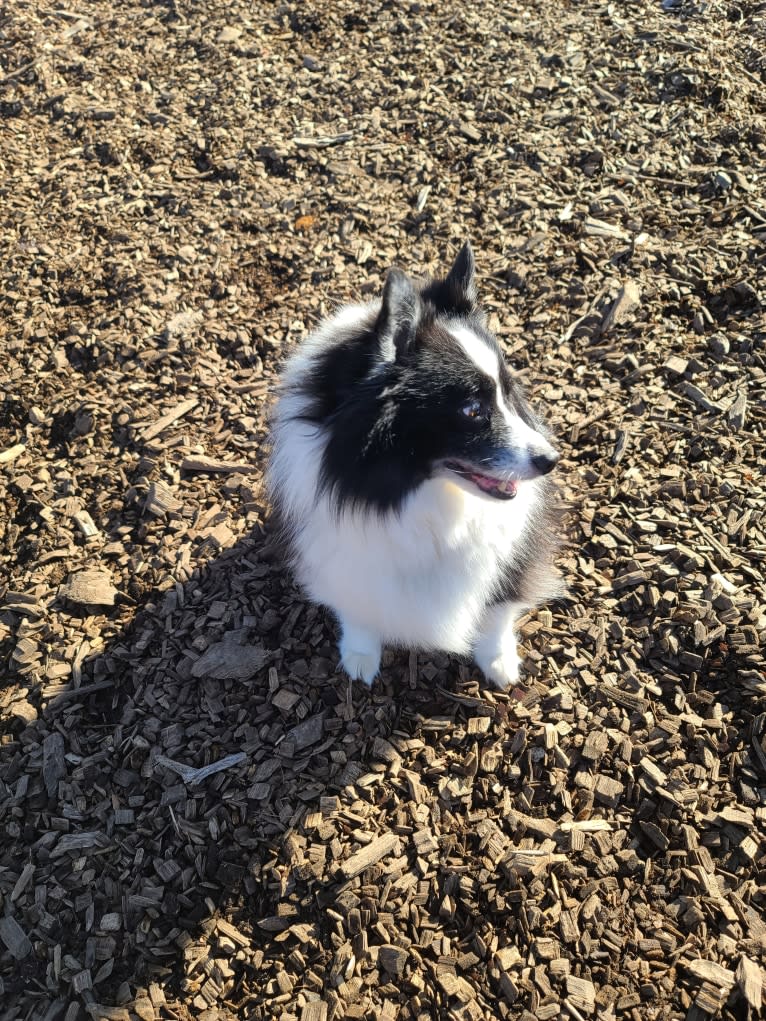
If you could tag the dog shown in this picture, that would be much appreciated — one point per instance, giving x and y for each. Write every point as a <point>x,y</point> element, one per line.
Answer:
<point>412,478</point>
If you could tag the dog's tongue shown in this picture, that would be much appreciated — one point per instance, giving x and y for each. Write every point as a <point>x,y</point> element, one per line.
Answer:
<point>505,490</point>
<point>498,489</point>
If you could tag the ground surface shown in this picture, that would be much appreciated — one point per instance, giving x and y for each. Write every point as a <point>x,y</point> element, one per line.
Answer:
<point>184,189</point>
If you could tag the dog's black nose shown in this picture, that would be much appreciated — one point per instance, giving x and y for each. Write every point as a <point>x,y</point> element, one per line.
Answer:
<point>545,463</point>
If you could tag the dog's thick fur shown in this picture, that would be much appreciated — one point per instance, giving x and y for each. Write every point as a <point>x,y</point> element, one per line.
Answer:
<point>411,478</point>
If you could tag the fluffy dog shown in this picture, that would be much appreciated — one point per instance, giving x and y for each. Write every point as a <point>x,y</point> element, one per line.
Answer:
<point>412,478</point>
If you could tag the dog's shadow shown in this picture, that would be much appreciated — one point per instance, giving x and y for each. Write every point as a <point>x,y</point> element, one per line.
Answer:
<point>183,808</point>
<point>154,799</point>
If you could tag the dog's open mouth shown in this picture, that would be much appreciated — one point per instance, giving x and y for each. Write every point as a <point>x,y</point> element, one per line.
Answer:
<point>499,489</point>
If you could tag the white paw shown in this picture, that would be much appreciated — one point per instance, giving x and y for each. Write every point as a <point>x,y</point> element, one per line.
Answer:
<point>502,672</point>
<point>360,652</point>
<point>495,649</point>
<point>359,665</point>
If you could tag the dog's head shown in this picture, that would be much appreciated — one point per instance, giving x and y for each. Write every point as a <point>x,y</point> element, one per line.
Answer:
<point>432,397</point>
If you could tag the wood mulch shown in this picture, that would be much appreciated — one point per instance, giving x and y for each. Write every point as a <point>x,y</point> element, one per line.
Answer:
<point>200,817</point>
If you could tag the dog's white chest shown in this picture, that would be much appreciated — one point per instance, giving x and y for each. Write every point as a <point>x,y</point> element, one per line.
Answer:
<point>421,578</point>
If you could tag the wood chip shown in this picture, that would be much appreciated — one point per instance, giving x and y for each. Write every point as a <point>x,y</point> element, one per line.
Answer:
<point>393,959</point>
<point>738,410</point>
<point>89,588</point>
<point>229,660</point>
<point>54,767</point>
<point>144,1008</point>
<point>599,228</point>
<point>85,524</point>
<point>323,141</point>
<point>695,394</point>
<point>623,307</point>
<point>214,465</point>
<point>15,939</point>
<point>170,418</point>
<point>587,826</point>
<point>191,775</point>
<point>160,500</point>
<point>381,846</point>
<point>23,881</point>
<point>607,790</point>
<point>677,365</point>
<point>316,1010</point>
<point>709,971</point>
<point>11,453</point>
<point>750,981</point>
<point>469,131</point>
<point>581,993</point>
<point>307,733</point>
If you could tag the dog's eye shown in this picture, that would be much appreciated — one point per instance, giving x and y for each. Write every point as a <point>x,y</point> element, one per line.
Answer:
<point>473,410</point>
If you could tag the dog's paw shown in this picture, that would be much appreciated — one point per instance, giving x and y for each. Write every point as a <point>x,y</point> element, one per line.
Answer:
<point>360,665</point>
<point>495,650</point>
<point>503,671</point>
<point>360,653</point>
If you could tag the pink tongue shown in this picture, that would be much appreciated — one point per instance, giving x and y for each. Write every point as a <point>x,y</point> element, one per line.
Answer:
<point>492,485</point>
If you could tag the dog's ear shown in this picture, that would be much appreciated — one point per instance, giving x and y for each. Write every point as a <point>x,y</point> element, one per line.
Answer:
<point>460,282</point>
<point>399,316</point>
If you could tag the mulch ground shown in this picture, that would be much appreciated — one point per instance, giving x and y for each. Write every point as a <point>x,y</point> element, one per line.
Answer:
<point>201,817</point>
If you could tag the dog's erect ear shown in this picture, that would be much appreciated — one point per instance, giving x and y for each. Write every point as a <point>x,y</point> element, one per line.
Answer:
<point>460,282</point>
<point>399,316</point>
<point>455,295</point>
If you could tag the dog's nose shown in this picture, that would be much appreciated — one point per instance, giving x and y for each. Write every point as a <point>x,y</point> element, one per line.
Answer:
<point>545,462</point>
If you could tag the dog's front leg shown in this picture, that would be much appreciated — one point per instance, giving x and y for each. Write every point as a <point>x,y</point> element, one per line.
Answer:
<point>360,652</point>
<point>495,647</point>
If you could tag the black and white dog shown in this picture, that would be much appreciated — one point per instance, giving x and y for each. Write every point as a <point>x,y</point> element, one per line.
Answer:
<point>411,478</point>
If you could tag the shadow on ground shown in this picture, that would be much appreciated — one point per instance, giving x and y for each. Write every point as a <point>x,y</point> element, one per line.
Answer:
<point>147,891</point>
<point>129,861</point>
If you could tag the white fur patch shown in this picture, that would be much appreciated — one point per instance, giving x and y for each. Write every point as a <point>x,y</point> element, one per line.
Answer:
<point>481,354</point>
<point>421,578</point>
